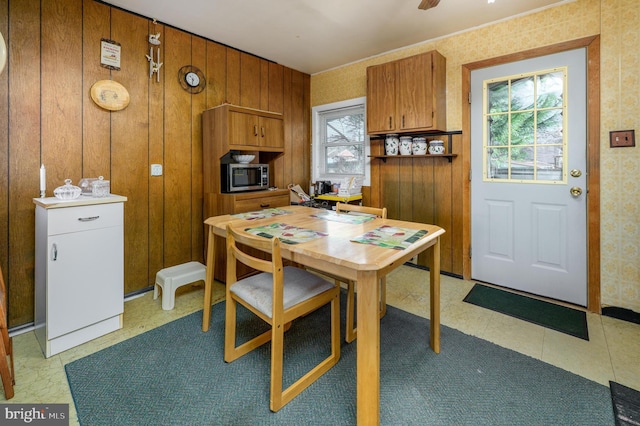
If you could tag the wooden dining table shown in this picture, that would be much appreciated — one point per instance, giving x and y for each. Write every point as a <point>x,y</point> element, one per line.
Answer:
<point>336,252</point>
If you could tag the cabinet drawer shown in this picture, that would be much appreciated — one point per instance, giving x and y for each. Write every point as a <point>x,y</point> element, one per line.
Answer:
<point>242,206</point>
<point>84,218</point>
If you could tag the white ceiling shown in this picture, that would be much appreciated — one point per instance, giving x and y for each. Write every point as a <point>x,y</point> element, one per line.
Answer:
<point>316,35</point>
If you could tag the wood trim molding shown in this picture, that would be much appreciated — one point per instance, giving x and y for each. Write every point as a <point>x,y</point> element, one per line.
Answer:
<point>592,44</point>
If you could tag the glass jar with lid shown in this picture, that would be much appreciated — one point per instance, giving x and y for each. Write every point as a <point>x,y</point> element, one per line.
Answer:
<point>100,188</point>
<point>67,191</point>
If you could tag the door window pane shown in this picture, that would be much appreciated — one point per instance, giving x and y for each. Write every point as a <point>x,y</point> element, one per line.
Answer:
<point>524,138</point>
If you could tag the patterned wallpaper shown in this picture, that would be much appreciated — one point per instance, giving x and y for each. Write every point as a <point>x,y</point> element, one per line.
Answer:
<point>618,23</point>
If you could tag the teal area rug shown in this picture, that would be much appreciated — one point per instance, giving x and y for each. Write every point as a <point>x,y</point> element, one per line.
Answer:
<point>175,375</point>
<point>556,317</point>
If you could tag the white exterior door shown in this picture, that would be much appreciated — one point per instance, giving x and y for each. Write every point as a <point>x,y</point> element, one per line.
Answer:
<point>528,181</point>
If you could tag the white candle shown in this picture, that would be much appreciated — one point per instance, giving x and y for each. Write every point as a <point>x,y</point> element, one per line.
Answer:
<point>43,179</point>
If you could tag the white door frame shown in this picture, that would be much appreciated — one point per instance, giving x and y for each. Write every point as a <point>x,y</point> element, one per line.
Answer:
<point>592,45</point>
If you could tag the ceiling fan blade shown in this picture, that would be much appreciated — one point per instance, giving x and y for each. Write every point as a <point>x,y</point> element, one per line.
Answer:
<point>428,4</point>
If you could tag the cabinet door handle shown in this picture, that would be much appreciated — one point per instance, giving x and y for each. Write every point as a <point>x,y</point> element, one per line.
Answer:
<point>390,124</point>
<point>262,130</point>
<point>255,130</point>
<point>263,205</point>
<point>88,219</point>
<point>54,252</point>
<point>403,121</point>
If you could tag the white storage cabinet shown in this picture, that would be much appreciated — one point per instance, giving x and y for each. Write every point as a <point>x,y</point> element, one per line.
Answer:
<point>79,273</point>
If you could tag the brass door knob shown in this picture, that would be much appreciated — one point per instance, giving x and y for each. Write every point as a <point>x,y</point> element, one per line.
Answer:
<point>575,173</point>
<point>576,191</point>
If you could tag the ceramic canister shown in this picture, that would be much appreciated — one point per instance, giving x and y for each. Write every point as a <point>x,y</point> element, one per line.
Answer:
<point>405,145</point>
<point>419,146</point>
<point>436,147</point>
<point>391,144</point>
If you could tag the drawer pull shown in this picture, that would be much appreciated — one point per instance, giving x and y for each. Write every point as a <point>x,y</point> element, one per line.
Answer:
<point>54,252</point>
<point>88,219</point>
<point>263,205</point>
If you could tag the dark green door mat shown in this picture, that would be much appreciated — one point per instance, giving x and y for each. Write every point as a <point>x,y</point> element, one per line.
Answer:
<point>560,318</point>
<point>626,404</point>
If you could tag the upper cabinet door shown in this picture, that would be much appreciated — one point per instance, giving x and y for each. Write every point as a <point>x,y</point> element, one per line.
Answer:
<point>271,132</point>
<point>407,95</point>
<point>243,129</point>
<point>381,98</point>
<point>414,91</point>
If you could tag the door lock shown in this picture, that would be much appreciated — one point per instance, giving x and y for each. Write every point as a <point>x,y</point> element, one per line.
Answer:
<point>575,173</point>
<point>576,191</point>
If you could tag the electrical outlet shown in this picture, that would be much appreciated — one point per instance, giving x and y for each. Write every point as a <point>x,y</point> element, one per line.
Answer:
<point>620,138</point>
<point>156,170</point>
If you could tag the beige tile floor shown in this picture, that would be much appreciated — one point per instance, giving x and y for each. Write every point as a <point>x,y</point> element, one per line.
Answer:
<point>612,353</point>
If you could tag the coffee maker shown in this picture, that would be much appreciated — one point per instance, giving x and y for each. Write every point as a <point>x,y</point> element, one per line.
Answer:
<point>322,187</point>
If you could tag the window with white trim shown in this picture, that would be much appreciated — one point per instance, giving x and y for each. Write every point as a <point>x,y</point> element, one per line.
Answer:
<point>340,145</point>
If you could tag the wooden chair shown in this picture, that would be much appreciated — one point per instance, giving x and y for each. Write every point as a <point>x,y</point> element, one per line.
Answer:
<point>6,346</point>
<point>277,295</point>
<point>350,330</point>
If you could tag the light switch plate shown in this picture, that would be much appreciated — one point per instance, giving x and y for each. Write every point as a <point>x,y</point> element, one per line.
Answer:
<point>156,170</point>
<point>620,138</point>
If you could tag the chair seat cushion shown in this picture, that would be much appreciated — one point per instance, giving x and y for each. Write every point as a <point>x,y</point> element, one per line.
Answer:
<point>299,285</point>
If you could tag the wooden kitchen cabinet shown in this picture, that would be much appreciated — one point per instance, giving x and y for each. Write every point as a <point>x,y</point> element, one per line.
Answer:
<point>228,130</point>
<point>407,95</point>
<point>247,128</point>
<point>79,276</point>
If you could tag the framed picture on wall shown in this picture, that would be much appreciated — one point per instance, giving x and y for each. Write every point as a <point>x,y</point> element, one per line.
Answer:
<point>110,54</point>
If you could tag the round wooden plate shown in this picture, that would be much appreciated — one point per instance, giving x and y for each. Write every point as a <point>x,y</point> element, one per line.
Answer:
<point>110,95</point>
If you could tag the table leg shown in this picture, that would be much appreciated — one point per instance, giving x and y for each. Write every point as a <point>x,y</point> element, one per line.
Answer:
<point>208,282</point>
<point>368,349</point>
<point>434,276</point>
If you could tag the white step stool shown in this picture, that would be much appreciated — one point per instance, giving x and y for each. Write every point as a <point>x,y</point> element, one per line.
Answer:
<point>175,276</point>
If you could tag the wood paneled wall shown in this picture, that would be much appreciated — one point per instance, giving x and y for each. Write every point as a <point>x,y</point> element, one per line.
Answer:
<point>426,190</point>
<point>48,117</point>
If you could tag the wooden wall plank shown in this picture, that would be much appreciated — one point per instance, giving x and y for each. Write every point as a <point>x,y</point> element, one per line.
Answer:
<point>156,156</point>
<point>405,188</point>
<point>423,190</point>
<point>390,188</point>
<point>177,153</point>
<point>298,144</point>
<point>282,165</point>
<point>233,77</point>
<point>96,132</point>
<point>249,81</point>
<point>306,127</point>
<point>198,104</point>
<point>276,88</point>
<point>4,150</point>
<point>24,154</point>
<point>264,85</point>
<point>442,170</point>
<point>130,144</point>
<point>216,73</point>
<point>61,93</point>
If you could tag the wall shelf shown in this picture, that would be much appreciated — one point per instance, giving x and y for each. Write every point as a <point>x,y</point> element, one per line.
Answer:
<point>384,157</point>
<point>450,156</point>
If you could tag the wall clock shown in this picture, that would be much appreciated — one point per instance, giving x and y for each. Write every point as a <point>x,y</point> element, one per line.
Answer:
<point>191,79</point>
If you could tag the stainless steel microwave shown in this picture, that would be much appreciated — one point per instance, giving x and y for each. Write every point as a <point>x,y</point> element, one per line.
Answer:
<point>244,177</point>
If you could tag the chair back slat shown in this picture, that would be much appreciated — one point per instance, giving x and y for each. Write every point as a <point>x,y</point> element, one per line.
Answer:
<point>374,211</point>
